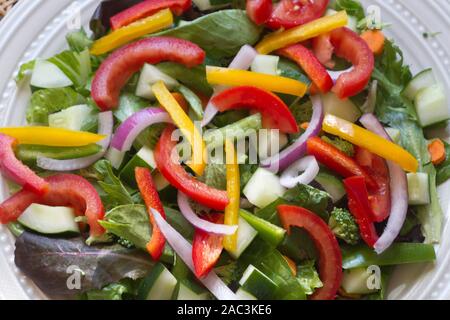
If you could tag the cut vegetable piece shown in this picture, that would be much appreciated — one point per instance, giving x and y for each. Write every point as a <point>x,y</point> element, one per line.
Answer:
<point>245,235</point>
<point>257,283</point>
<point>270,142</point>
<point>72,118</point>
<point>149,76</point>
<point>263,188</point>
<point>144,158</point>
<point>265,64</point>
<point>342,108</point>
<point>394,134</point>
<point>49,220</point>
<point>331,184</point>
<point>158,285</point>
<point>188,290</point>
<point>47,75</point>
<point>355,281</point>
<point>431,105</point>
<point>271,233</point>
<point>420,81</point>
<point>418,190</point>
<point>241,294</point>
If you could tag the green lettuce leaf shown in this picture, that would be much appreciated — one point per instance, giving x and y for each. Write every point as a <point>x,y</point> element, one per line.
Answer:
<point>123,290</point>
<point>353,8</point>
<point>78,40</point>
<point>76,66</point>
<point>308,277</point>
<point>443,169</point>
<point>25,69</point>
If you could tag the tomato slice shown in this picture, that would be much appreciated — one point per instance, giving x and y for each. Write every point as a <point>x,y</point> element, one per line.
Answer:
<point>350,46</point>
<point>259,11</point>
<point>358,203</point>
<point>323,50</point>
<point>151,198</point>
<point>15,170</point>
<point>118,68</point>
<point>147,8</point>
<point>64,190</point>
<point>207,247</point>
<point>306,59</point>
<point>290,13</point>
<point>274,111</point>
<point>379,196</point>
<point>330,257</point>
<point>168,163</point>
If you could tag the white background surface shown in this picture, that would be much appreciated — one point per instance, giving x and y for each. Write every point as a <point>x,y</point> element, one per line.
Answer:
<point>36,28</point>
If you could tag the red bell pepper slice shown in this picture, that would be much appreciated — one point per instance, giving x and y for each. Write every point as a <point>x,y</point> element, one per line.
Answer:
<point>207,247</point>
<point>67,190</point>
<point>350,46</point>
<point>330,257</point>
<point>118,68</point>
<point>151,198</point>
<point>358,203</point>
<point>290,13</point>
<point>323,50</point>
<point>310,64</point>
<point>379,197</point>
<point>259,11</point>
<point>15,170</point>
<point>145,9</point>
<point>168,163</point>
<point>274,111</point>
<point>336,160</point>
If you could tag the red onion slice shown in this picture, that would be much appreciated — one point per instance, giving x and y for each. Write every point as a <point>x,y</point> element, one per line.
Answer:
<point>189,214</point>
<point>105,123</point>
<point>242,61</point>
<point>128,131</point>
<point>399,190</point>
<point>184,249</point>
<point>296,150</point>
<point>308,165</point>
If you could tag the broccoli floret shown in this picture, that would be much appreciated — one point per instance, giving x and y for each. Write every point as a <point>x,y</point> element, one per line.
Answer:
<point>125,243</point>
<point>344,226</point>
<point>345,146</point>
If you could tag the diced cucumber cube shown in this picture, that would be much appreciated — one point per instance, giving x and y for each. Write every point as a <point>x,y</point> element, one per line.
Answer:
<point>246,234</point>
<point>203,5</point>
<point>263,188</point>
<point>394,134</point>
<point>144,158</point>
<point>418,188</point>
<point>149,76</point>
<point>265,64</point>
<point>72,118</point>
<point>158,285</point>
<point>241,294</point>
<point>47,75</point>
<point>332,185</point>
<point>342,108</point>
<point>354,281</point>
<point>257,283</point>
<point>421,81</point>
<point>187,290</point>
<point>431,105</point>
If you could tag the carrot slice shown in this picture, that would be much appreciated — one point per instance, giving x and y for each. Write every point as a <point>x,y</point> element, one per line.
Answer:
<point>375,40</point>
<point>437,151</point>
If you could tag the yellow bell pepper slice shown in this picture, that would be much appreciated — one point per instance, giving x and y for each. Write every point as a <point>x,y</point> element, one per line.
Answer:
<point>234,195</point>
<point>55,137</point>
<point>119,37</point>
<point>278,40</point>
<point>187,127</point>
<point>370,141</point>
<point>233,77</point>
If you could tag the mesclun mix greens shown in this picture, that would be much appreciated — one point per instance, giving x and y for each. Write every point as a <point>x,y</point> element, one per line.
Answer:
<point>225,150</point>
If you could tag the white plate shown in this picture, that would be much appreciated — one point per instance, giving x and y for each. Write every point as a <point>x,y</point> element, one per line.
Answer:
<point>36,28</point>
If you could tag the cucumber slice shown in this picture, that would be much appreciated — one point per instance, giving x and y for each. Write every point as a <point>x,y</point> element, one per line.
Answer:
<point>421,81</point>
<point>187,290</point>
<point>49,220</point>
<point>149,76</point>
<point>72,118</point>
<point>263,188</point>
<point>267,64</point>
<point>203,5</point>
<point>245,236</point>
<point>331,184</point>
<point>354,281</point>
<point>431,105</point>
<point>394,134</point>
<point>144,158</point>
<point>241,294</point>
<point>47,75</point>
<point>160,182</point>
<point>257,283</point>
<point>270,142</point>
<point>342,108</point>
<point>273,234</point>
<point>158,285</point>
<point>352,22</point>
<point>418,188</point>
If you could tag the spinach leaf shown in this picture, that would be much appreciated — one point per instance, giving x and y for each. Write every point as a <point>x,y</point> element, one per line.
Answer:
<point>221,34</point>
<point>50,262</point>
<point>47,101</point>
<point>353,8</point>
<point>194,78</point>
<point>126,288</point>
<point>270,261</point>
<point>194,101</point>
<point>308,277</point>
<point>443,169</point>
<point>290,69</point>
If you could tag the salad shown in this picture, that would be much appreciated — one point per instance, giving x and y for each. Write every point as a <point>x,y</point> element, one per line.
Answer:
<point>225,150</point>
